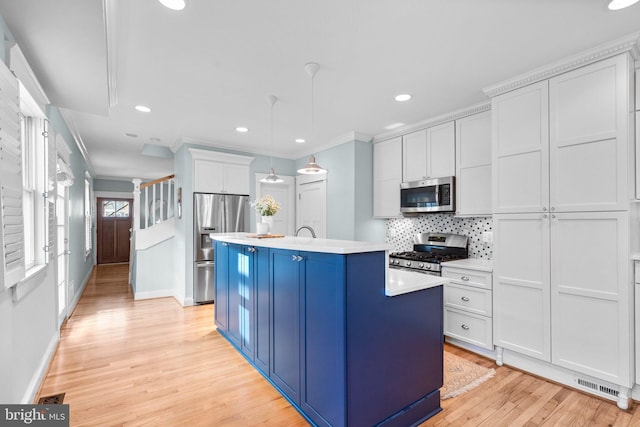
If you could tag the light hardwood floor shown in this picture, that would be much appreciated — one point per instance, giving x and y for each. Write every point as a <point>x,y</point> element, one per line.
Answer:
<point>155,363</point>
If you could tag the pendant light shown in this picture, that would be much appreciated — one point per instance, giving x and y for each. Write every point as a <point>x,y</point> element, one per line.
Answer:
<point>272,178</point>
<point>312,168</point>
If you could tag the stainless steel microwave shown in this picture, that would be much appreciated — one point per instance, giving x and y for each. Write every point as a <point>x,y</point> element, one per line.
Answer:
<point>429,195</point>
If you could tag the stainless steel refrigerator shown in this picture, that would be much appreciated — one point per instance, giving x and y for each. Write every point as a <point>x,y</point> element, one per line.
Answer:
<point>213,213</point>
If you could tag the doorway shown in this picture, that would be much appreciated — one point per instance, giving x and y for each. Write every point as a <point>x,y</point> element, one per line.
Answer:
<point>284,220</point>
<point>113,230</point>
<point>62,251</point>
<point>311,207</point>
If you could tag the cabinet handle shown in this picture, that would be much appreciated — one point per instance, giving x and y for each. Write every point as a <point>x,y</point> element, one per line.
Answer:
<point>465,299</point>
<point>544,209</point>
<point>225,244</point>
<point>299,258</point>
<point>553,208</point>
<point>553,216</point>
<point>465,327</point>
<point>465,278</point>
<point>294,257</point>
<point>251,249</point>
<point>544,216</point>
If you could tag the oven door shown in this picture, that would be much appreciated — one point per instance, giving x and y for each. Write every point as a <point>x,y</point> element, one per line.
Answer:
<point>433,195</point>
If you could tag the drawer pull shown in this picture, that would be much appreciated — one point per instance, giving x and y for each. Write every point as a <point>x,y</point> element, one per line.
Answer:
<point>465,278</point>
<point>465,299</point>
<point>465,327</point>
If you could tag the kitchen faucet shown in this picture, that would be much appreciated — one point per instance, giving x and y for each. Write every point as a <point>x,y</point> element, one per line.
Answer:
<point>313,233</point>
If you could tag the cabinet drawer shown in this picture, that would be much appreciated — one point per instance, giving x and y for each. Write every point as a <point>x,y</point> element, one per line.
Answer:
<point>468,327</point>
<point>469,277</point>
<point>468,298</point>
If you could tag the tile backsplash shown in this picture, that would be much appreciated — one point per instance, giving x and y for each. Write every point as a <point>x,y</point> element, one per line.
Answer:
<point>400,231</point>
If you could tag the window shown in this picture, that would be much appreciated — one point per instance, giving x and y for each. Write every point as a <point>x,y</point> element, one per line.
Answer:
<point>34,175</point>
<point>115,209</point>
<point>88,241</point>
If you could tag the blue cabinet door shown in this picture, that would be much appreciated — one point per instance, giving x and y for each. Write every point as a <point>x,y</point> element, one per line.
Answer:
<point>248,274</point>
<point>285,322</point>
<point>261,315</point>
<point>323,395</point>
<point>237,267</point>
<point>221,290</point>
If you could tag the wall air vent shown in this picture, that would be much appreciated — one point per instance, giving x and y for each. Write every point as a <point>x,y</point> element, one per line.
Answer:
<point>598,388</point>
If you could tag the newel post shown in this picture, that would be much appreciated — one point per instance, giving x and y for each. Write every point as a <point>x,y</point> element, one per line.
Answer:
<point>136,204</point>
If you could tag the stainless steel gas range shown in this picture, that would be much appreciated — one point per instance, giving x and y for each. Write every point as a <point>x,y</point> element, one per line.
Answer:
<point>429,250</point>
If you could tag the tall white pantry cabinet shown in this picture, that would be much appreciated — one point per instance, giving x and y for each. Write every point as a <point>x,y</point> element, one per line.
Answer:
<point>562,185</point>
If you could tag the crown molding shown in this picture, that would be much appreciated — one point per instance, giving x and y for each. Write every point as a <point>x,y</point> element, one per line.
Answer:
<point>110,25</point>
<point>434,121</point>
<point>218,156</point>
<point>628,44</point>
<point>73,129</point>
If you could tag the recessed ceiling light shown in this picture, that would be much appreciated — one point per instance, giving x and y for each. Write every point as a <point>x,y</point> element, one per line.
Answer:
<point>300,140</point>
<point>393,126</point>
<point>242,129</point>
<point>143,108</point>
<point>131,135</point>
<point>621,4</point>
<point>173,4</point>
<point>403,97</point>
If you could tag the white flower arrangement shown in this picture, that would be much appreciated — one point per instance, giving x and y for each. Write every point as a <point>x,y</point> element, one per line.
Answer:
<point>266,205</point>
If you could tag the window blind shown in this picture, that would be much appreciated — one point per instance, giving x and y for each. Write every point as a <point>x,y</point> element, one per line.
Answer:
<point>11,219</point>
<point>51,190</point>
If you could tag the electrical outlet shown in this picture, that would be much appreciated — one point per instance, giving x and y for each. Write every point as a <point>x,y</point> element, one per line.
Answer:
<point>487,236</point>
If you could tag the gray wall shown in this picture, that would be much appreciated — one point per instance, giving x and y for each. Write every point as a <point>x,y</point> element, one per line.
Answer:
<point>29,326</point>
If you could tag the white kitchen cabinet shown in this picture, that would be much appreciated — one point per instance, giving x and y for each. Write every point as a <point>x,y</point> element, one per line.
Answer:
<point>468,305</point>
<point>591,290</point>
<point>473,165</point>
<point>521,284</point>
<point>561,189</point>
<point>215,172</point>
<point>588,128</point>
<point>429,153</point>
<point>520,150</point>
<point>562,145</point>
<point>387,176</point>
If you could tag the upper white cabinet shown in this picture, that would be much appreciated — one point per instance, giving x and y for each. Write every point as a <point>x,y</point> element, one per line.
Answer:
<point>215,172</point>
<point>429,153</point>
<point>588,129</point>
<point>387,176</point>
<point>561,145</point>
<point>473,165</point>
<point>520,150</point>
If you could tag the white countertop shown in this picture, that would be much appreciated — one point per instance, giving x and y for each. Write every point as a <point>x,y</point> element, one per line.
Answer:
<point>310,244</point>
<point>402,281</point>
<point>471,263</point>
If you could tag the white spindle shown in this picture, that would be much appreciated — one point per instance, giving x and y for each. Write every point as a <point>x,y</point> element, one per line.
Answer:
<point>146,207</point>
<point>162,216</point>
<point>170,198</point>
<point>153,214</point>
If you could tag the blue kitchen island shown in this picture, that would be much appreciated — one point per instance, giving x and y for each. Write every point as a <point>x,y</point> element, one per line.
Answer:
<point>346,341</point>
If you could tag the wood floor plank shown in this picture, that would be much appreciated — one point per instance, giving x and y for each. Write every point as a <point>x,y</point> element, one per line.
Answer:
<point>154,362</point>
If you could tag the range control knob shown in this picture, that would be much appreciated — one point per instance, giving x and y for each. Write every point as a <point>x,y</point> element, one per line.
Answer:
<point>408,263</point>
<point>428,267</point>
<point>421,265</point>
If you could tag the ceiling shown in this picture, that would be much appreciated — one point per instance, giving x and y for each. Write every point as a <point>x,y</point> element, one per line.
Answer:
<point>209,68</point>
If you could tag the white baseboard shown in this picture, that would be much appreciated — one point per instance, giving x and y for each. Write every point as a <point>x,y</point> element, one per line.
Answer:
<point>39,374</point>
<point>159,293</point>
<point>560,375</point>
<point>491,354</point>
<point>77,295</point>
